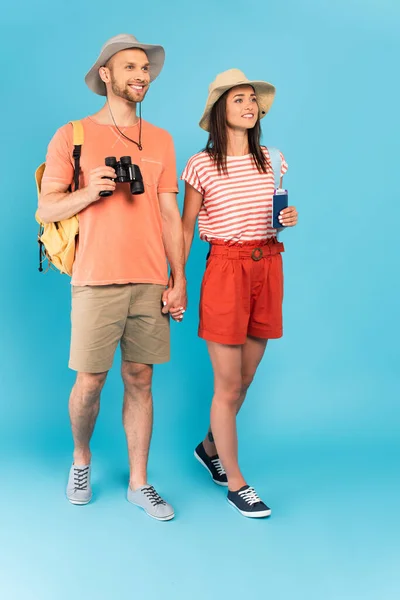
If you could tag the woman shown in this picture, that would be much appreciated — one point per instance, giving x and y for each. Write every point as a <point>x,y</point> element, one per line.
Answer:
<point>230,186</point>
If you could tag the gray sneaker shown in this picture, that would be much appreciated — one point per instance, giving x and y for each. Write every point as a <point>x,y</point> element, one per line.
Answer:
<point>147,498</point>
<point>79,490</point>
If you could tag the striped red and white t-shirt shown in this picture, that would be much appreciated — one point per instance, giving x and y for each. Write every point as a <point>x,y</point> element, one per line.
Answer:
<point>236,207</point>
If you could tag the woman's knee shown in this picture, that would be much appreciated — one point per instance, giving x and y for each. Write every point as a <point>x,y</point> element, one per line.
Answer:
<point>247,380</point>
<point>228,393</point>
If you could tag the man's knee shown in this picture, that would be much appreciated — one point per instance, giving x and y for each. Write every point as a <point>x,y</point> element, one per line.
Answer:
<point>137,377</point>
<point>89,385</point>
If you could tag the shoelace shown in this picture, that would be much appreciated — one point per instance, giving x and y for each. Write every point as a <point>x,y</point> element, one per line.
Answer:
<point>250,496</point>
<point>153,496</point>
<point>218,465</point>
<point>81,478</point>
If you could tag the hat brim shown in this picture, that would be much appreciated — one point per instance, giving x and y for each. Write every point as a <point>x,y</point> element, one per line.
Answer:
<point>265,93</point>
<point>155,54</point>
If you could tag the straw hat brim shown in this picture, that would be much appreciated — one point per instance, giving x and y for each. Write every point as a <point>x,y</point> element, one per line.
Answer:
<point>265,93</point>
<point>155,54</point>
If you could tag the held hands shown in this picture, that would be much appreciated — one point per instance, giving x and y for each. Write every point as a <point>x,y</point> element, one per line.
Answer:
<point>288,217</point>
<point>98,183</point>
<point>174,299</point>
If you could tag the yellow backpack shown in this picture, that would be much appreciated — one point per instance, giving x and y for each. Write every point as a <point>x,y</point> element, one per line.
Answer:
<point>57,240</point>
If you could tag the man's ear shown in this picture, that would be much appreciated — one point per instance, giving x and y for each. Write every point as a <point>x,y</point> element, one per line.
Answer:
<point>104,73</point>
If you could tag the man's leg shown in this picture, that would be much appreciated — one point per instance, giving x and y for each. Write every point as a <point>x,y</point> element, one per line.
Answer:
<point>137,418</point>
<point>138,423</point>
<point>145,342</point>
<point>84,404</point>
<point>98,319</point>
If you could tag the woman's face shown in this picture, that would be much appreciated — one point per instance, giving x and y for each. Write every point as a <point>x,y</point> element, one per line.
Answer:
<point>241,107</point>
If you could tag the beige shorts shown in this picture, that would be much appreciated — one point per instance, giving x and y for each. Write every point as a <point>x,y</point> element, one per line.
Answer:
<point>104,316</point>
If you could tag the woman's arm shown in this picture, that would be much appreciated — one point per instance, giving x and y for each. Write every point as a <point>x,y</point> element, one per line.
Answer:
<point>191,208</point>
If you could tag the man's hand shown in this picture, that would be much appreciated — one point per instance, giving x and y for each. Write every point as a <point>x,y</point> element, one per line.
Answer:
<point>175,299</point>
<point>97,184</point>
<point>288,217</point>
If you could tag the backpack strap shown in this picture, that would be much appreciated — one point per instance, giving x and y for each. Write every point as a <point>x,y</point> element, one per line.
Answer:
<point>276,162</point>
<point>78,136</point>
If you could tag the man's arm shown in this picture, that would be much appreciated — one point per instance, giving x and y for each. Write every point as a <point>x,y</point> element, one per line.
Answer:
<point>57,203</point>
<point>172,233</point>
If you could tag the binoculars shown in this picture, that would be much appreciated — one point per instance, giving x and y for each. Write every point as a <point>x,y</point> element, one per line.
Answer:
<point>126,172</point>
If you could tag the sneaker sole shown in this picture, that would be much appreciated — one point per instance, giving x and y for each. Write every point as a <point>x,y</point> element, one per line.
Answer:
<point>259,515</point>
<point>79,502</point>
<point>168,518</point>
<point>201,461</point>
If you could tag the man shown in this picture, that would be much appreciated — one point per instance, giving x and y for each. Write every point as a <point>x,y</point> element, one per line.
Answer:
<point>119,279</point>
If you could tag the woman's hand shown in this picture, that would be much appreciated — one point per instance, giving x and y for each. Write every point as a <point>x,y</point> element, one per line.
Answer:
<point>288,217</point>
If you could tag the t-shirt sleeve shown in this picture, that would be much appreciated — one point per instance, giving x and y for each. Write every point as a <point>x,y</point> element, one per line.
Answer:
<point>59,161</point>
<point>191,176</point>
<point>284,165</point>
<point>168,181</point>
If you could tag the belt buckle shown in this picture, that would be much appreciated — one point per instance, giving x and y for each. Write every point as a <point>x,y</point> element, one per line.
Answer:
<point>257,254</point>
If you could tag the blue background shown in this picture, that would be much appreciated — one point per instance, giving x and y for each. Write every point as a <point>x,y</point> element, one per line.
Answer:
<point>319,432</point>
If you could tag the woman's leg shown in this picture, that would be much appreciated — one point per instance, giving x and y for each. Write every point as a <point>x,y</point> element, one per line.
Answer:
<point>252,352</point>
<point>227,366</point>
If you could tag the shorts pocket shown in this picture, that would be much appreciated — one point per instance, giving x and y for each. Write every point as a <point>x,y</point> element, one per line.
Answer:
<point>279,277</point>
<point>79,291</point>
<point>209,267</point>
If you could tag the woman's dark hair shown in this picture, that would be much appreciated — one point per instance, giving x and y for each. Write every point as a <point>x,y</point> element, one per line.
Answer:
<point>217,144</point>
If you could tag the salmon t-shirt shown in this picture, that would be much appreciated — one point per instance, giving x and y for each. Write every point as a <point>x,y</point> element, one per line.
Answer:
<point>120,237</point>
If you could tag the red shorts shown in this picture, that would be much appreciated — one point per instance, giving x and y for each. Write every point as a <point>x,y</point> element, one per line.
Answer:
<point>242,293</point>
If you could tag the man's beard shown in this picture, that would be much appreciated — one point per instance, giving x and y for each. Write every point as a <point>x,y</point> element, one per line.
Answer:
<point>125,93</point>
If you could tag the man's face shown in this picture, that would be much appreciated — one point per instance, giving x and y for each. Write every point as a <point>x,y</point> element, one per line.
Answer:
<point>129,74</point>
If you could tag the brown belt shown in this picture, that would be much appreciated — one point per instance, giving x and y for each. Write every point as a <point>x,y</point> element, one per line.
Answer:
<point>254,252</point>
